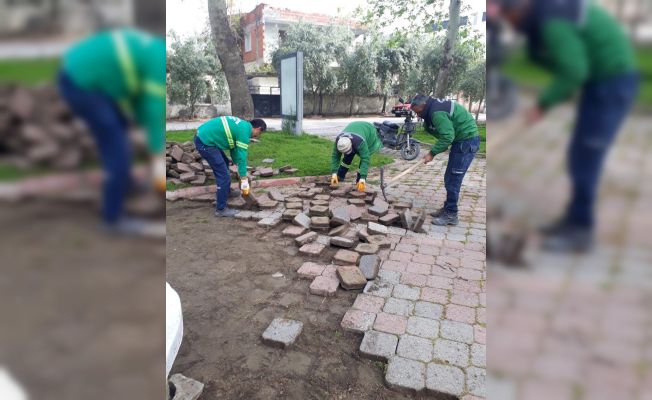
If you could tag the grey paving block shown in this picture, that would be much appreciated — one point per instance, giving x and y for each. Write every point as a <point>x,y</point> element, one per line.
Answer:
<point>369,265</point>
<point>282,332</point>
<point>457,331</point>
<point>479,355</point>
<point>423,327</point>
<point>406,292</point>
<point>415,348</point>
<point>406,375</point>
<point>186,388</point>
<point>476,381</point>
<point>445,380</point>
<point>398,306</point>
<point>378,345</point>
<point>451,352</point>
<point>428,310</point>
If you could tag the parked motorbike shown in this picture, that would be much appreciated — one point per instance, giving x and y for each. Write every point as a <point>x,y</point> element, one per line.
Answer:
<point>399,137</point>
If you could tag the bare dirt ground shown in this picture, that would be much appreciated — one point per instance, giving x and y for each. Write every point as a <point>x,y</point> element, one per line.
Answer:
<point>81,312</point>
<point>222,270</point>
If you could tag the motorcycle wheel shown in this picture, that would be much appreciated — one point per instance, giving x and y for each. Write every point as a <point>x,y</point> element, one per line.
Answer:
<point>410,152</point>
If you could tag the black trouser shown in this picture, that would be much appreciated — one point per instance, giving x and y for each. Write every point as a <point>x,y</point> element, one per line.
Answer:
<point>347,160</point>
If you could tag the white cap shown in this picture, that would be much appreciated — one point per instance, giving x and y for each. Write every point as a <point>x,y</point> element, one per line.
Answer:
<point>344,145</point>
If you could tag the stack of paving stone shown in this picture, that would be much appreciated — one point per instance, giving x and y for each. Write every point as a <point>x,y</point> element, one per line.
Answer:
<point>37,129</point>
<point>183,163</point>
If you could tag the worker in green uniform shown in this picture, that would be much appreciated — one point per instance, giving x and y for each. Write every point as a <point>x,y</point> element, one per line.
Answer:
<point>107,80</point>
<point>358,138</point>
<point>218,135</point>
<point>586,50</point>
<point>454,127</point>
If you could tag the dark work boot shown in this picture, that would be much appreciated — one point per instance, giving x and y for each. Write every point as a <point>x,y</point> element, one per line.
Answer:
<point>226,212</point>
<point>234,193</point>
<point>445,218</point>
<point>437,213</point>
<point>568,238</point>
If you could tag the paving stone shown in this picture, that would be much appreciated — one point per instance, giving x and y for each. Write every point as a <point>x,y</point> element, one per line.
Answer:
<point>476,381</point>
<point>271,221</point>
<point>380,289</point>
<point>338,231</point>
<point>319,222</point>
<point>318,211</point>
<point>378,345</point>
<point>479,355</point>
<point>340,216</point>
<point>406,375</point>
<point>302,220</point>
<point>237,202</point>
<point>319,203</point>
<point>325,197</point>
<point>406,292</point>
<point>368,303</point>
<point>323,239</point>
<point>428,310</point>
<point>357,321</point>
<point>400,205</point>
<point>346,257</point>
<point>310,270</point>
<point>268,161</point>
<point>390,323</point>
<point>398,306</point>
<point>369,265</point>
<point>406,219</point>
<point>339,193</point>
<point>357,195</point>
<point>282,332</point>
<point>339,241</point>
<point>275,194</point>
<point>355,212</point>
<point>445,379</point>
<point>312,249</point>
<point>376,229</point>
<point>366,217</point>
<point>306,195</point>
<point>392,277</point>
<point>366,248</point>
<point>244,215</point>
<point>186,388</point>
<point>324,286</point>
<point>289,215</point>
<point>378,211</point>
<point>266,172</point>
<point>379,240</point>
<point>418,223</point>
<point>454,353</point>
<point>356,202</point>
<point>294,206</point>
<point>363,234</point>
<point>414,348</point>
<point>457,331</point>
<point>350,277</point>
<point>388,219</point>
<point>306,238</point>
<point>423,327</point>
<point>330,271</point>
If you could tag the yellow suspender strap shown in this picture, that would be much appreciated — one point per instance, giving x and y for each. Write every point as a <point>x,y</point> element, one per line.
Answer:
<point>126,63</point>
<point>227,131</point>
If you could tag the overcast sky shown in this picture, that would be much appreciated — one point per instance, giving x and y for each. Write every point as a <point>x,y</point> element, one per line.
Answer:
<point>189,17</point>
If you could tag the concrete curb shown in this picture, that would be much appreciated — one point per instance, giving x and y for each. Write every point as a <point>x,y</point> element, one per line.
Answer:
<point>190,192</point>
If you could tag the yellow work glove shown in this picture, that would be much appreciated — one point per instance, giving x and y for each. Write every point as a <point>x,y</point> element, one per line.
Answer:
<point>361,185</point>
<point>334,180</point>
<point>244,186</point>
<point>157,166</point>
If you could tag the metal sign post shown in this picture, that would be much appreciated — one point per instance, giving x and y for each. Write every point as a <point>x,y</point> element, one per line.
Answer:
<point>291,82</point>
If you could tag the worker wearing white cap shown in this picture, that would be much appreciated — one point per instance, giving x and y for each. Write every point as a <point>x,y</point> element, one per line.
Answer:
<point>357,138</point>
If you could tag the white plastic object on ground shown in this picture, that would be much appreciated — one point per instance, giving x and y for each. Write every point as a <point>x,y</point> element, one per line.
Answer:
<point>173,327</point>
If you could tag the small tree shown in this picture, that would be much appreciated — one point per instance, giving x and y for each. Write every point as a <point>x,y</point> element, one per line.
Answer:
<point>394,58</point>
<point>357,69</point>
<point>474,86</point>
<point>187,68</point>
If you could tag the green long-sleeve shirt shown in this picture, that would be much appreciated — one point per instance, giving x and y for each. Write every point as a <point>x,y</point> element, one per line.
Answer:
<point>577,53</point>
<point>235,139</point>
<point>129,66</point>
<point>370,144</point>
<point>451,127</point>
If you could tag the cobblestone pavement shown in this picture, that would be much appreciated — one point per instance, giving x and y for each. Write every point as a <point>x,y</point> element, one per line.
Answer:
<point>572,327</point>
<point>425,313</point>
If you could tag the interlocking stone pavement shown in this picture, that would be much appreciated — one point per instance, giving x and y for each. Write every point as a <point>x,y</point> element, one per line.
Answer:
<point>576,327</point>
<point>429,297</point>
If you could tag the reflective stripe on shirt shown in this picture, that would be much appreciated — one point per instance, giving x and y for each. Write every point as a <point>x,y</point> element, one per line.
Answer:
<point>227,131</point>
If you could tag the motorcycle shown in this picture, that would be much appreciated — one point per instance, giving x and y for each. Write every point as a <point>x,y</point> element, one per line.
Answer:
<point>399,137</point>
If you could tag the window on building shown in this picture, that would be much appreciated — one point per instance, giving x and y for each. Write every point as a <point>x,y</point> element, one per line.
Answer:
<point>247,41</point>
<point>282,35</point>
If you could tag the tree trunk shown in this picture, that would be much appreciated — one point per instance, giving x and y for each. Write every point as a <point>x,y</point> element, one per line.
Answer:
<point>477,112</point>
<point>321,102</point>
<point>384,102</point>
<point>228,52</point>
<point>314,103</point>
<point>351,106</point>
<point>443,79</point>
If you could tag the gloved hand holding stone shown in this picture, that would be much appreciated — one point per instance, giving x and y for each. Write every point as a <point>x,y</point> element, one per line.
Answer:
<point>244,186</point>
<point>334,180</point>
<point>361,185</point>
